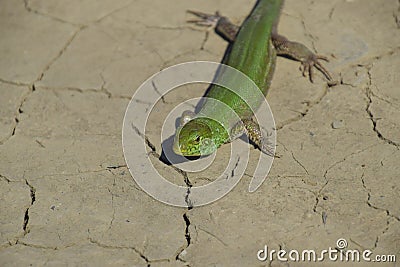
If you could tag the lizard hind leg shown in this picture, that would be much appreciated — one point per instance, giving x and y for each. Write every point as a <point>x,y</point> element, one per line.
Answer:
<point>300,52</point>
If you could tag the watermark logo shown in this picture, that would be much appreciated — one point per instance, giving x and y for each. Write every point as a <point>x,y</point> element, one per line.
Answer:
<point>341,243</point>
<point>338,253</point>
<point>143,102</point>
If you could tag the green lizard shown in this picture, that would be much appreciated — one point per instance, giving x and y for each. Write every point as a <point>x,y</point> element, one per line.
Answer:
<point>256,45</point>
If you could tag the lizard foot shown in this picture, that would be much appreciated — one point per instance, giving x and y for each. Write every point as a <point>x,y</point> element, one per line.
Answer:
<point>300,52</point>
<point>312,60</point>
<point>207,20</point>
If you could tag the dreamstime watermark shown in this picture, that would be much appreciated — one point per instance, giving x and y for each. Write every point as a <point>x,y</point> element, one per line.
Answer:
<point>134,138</point>
<point>337,253</point>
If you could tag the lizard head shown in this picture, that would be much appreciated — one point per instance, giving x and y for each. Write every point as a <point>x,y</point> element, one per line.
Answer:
<point>195,138</point>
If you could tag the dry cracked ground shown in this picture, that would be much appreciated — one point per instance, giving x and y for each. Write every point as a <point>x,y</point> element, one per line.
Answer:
<point>67,72</point>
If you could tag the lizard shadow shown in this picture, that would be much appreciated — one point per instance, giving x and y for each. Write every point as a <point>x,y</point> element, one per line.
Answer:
<point>168,156</point>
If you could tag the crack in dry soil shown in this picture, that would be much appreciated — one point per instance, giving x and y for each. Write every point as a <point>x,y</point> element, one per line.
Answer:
<point>36,12</point>
<point>137,251</point>
<point>214,236</point>
<point>157,91</point>
<point>18,112</point>
<point>113,11</point>
<point>26,215</point>
<point>39,78</point>
<point>22,243</point>
<point>368,201</point>
<point>154,153</point>
<point>297,161</point>
<point>16,83</point>
<point>318,194</point>
<point>29,9</point>
<point>308,34</point>
<point>187,196</point>
<point>113,208</point>
<point>60,53</point>
<point>102,90</point>
<point>187,237</point>
<point>310,105</point>
<point>368,94</point>
<point>5,178</point>
<point>396,15</point>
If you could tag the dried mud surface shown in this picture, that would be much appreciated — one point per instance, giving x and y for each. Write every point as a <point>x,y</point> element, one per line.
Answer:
<point>67,72</point>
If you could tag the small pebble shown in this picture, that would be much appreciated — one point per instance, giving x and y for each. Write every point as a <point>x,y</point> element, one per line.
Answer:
<point>337,124</point>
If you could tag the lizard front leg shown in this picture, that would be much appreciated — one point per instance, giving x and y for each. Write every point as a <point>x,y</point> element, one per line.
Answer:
<point>222,25</point>
<point>255,135</point>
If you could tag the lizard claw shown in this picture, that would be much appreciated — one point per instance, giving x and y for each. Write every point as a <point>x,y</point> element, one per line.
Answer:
<point>312,61</point>
<point>207,20</point>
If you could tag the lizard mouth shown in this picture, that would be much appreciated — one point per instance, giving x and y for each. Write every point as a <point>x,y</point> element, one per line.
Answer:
<point>176,148</point>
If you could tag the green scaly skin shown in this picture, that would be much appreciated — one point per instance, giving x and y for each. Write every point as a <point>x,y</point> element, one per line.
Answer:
<point>200,136</point>
<point>253,53</point>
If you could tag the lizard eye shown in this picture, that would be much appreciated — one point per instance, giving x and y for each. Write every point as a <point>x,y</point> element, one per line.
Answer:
<point>197,139</point>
